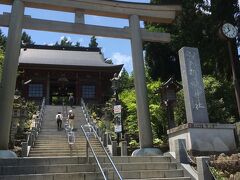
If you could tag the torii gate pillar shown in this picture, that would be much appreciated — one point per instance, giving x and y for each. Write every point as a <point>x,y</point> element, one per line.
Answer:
<point>144,124</point>
<point>8,83</point>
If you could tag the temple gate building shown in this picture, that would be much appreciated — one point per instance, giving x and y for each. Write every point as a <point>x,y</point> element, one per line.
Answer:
<point>56,72</point>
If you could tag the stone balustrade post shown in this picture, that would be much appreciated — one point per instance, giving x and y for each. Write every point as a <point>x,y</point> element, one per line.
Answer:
<point>123,146</point>
<point>30,142</point>
<point>100,133</point>
<point>24,149</point>
<point>105,139</point>
<point>202,168</point>
<point>114,148</point>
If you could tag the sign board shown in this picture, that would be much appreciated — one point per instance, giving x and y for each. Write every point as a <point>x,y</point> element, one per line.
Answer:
<point>117,109</point>
<point>118,128</point>
<point>117,122</point>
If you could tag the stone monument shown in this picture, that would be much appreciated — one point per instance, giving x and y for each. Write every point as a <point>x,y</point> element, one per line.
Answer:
<point>199,134</point>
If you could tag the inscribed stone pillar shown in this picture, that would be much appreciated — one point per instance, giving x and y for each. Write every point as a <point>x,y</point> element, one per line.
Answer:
<point>145,131</point>
<point>8,82</point>
<point>194,95</point>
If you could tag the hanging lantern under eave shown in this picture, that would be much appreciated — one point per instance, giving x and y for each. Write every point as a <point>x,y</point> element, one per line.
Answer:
<point>169,90</point>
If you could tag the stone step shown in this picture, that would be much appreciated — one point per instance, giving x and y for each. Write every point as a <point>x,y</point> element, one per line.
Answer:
<point>63,168</point>
<point>77,141</point>
<point>57,176</point>
<point>55,133</point>
<point>83,145</point>
<point>149,174</point>
<point>142,159</point>
<point>29,161</point>
<point>53,151</point>
<point>174,178</point>
<point>49,148</point>
<point>61,143</point>
<point>42,148</point>
<point>63,138</point>
<point>62,155</point>
<point>42,135</point>
<point>69,168</point>
<point>146,166</point>
<point>80,160</point>
<point>57,155</point>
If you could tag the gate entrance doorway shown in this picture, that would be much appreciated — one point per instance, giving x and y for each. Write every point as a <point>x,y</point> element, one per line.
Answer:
<point>59,94</point>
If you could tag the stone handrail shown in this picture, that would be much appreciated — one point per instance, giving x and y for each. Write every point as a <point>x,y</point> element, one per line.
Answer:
<point>32,135</point>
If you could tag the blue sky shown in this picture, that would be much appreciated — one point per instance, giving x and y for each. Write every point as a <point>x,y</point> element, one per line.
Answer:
<point>119,50</point>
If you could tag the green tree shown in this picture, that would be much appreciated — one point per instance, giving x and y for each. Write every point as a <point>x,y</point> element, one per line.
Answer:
<point>220,100</point>
<point>128,100</point>
<point>125,81</point>
<point>93,42</point>
<point>158,114</point>
<point>77,44</point>
<point>65,42</point>
<point>197,26</point>
<point>1,63</point>
<point>3,40</point>
<point>27,39</point>
<point>108,61</point>
<point>194,27</point>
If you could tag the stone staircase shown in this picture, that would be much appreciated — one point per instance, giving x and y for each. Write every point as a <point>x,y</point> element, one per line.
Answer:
<point>53,159</point>
<point>52,142</point>
<point>76,168</point>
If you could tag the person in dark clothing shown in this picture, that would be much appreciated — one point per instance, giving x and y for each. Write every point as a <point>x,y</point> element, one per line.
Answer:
<point>71,100</point>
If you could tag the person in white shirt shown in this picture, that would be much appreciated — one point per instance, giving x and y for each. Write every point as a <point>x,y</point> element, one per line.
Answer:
<point>59,119</point>
<point>71,119</point>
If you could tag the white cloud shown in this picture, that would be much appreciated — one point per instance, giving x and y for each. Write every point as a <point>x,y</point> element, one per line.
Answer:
<point>103,50</point>
<point>119,58</point>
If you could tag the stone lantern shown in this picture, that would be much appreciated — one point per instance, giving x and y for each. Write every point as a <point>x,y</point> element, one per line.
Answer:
<point>117,108</point>
<point>115,86</point>
<point>169,96</point>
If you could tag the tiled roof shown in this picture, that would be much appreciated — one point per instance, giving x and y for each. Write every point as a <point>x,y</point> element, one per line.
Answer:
<point>63,58</point>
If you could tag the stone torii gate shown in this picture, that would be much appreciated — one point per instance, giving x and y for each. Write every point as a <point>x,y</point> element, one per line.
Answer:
<point>134,12</point>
